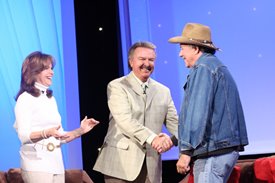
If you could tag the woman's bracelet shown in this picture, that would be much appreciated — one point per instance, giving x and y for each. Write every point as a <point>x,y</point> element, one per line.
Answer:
<point>44,134</point>
<point>41,133</point>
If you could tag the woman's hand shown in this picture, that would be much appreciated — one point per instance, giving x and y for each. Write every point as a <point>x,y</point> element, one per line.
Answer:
<point>85,126</point>
<point>88,124</point>
<point>53,132</point>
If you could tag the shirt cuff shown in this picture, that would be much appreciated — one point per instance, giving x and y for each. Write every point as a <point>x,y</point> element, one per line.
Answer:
<point>150,139</point>
<point>25,137</point>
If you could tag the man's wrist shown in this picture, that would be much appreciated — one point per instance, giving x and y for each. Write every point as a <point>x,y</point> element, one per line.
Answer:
<point>174,140</point>
<point>150,139</point>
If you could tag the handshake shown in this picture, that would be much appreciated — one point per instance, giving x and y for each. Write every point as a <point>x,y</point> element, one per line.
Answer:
<point>163,142</point>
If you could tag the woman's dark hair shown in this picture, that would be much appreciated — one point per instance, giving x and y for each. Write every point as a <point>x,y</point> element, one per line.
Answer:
<point>34,64</point>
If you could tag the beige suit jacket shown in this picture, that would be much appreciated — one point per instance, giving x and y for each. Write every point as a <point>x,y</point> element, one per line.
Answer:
<point>133,118</point>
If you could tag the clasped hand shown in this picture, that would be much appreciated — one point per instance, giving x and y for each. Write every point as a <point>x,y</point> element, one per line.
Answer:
<point>162,143</point>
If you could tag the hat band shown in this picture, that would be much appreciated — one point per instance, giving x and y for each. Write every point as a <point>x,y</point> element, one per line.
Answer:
<point>200,41</point>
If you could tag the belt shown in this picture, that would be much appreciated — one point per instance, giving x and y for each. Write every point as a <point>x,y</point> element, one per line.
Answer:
<point>219,152</point>
<point>50,146</point>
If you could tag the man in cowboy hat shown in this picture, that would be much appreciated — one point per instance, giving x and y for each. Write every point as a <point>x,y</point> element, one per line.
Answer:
<point>212,127</point>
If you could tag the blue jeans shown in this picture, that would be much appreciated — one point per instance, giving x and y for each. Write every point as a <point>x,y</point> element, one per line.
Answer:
<point>215,169</point>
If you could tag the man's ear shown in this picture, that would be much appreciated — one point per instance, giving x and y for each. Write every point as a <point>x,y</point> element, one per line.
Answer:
<point>197,49</point>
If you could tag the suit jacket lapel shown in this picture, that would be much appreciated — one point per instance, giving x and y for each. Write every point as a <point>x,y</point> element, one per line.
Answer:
<point>133,83</point>
<point>151,91</point>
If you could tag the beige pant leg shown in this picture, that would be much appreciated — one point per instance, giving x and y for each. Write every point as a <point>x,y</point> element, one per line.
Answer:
<point>42,177</point>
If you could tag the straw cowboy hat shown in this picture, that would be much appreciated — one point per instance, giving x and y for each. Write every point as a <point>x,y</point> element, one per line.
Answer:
<point>195,34</point>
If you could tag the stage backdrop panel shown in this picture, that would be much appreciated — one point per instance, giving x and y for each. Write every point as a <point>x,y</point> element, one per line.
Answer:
<point>244,30</point>
<point>47,26</point>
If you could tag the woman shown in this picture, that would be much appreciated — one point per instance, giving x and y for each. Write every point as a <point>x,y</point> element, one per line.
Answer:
<point>38,123</point>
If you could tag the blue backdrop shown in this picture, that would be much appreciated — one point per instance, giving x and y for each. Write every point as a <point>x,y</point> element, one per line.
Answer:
<point>244,30</point>
<point>48,26</point>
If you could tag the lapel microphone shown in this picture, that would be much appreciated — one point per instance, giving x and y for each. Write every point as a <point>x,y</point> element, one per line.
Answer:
<point>144,89</point>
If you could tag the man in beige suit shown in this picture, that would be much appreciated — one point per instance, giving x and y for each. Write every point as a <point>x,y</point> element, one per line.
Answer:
<point>139,106</point>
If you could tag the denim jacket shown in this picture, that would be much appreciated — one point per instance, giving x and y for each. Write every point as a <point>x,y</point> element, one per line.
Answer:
<point>211,116</point>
